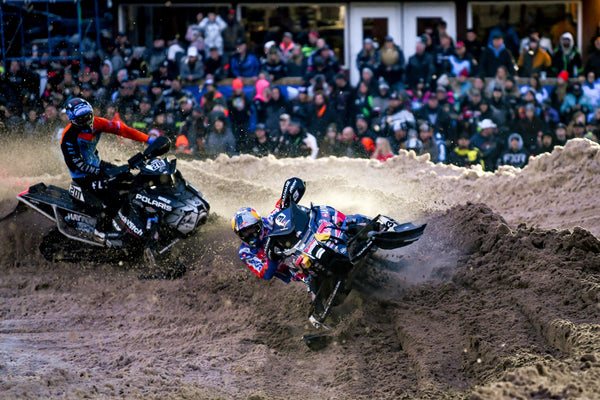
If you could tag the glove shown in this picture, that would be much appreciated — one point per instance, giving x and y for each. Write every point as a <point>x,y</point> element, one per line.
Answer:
<point>151,139</point>
<point>136,160</point>
<point>293,190</point>
<point>271,251</point>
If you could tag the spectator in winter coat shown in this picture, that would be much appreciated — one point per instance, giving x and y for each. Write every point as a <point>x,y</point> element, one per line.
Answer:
<point>487,142</point>
<point>508,34</point>
<point>193,33</point>
<point>591,89</point>
<point>395,115</point>
<point>363,101</point>
<point>213,27</point>
<point>433,113</point>
<point>429,145</point>
<point>348,145</point>
<point>321,117</point>
<point>547,144</point>
<point>340,101</point>
<point>494,56</point>
<point>392,65</point>
<point>593,61</point>
<point>273,66</point>
<point>262,145</point>
<point>297,63</point>
<point>420,66</point>
<point>464,155</point>
<point>575,101</point>
<point>533,60</point>
<point>244,64</point>
<point>296,142</point>
<point>155,55</point>
<point>191,68</point>
<point>473,44</point>
<point>443,52</point>
<point>219,139</point>
<point>381,99</point>
<point>567,57</point>
<point>260,100</point>
<point>286,46</point>
<point>231,34</point>
<point>368,56</point>
<point>544,42</point>
<point>515,155</point>
<point>461,60</point>
<point>276,106</point>
<point>240,112</point>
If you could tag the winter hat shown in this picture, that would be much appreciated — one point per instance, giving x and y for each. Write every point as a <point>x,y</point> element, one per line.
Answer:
<point>564,75</point>
<point>487,123</point>
<point>464,72</point>
<point>192,51</point>
<point>237,83</point>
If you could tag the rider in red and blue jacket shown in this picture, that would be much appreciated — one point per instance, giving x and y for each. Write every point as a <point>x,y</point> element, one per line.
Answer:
<point>252,229</point>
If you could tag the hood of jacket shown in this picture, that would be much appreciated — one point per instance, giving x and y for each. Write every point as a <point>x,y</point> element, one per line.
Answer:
<point>515,136</point>
<point>260,87</point>
<point>567,35</point>
<point>496,52</point>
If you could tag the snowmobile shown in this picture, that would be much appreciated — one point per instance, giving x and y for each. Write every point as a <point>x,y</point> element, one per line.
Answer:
<point>310,241</point>
<point>159,209</point>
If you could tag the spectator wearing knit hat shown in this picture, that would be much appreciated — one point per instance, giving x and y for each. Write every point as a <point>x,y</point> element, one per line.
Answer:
<point>559,91</point>
<point>461,60</point>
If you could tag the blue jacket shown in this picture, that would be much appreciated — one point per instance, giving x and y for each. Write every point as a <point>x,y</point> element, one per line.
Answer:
<point>246,68</point>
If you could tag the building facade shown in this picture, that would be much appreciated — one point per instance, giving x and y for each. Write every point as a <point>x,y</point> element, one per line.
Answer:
<point>345,25</point>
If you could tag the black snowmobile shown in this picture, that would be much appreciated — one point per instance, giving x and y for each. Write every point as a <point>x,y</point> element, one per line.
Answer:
<point>159,208</point>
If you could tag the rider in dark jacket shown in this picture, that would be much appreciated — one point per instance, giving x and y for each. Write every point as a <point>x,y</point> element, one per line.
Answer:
<point>78,145</point>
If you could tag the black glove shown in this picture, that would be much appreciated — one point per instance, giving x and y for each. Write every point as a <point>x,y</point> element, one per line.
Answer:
<point>136,160</point>
<point>271,251</point>
<point>293,190</point>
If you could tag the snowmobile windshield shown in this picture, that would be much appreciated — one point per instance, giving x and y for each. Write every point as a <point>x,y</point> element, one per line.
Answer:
<point>289,226</point>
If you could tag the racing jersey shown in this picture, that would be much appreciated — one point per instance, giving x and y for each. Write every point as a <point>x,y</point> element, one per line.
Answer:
<point>79,146</point>
<point>256,258</point>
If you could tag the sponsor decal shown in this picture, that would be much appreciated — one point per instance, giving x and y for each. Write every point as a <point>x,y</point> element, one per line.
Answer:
<point>131,225</point>
<point>281,221</point>
<point>75,192</point>
<point>156,165</point>
<point>164,199</point>
<point>73,217</point>
<point>153,202</point>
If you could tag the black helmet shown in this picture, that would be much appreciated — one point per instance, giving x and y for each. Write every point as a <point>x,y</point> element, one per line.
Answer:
<point>80,113</point>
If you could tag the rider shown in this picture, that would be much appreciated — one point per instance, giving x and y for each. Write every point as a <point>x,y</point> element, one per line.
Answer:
<point>253,231</point>
<point>78,145</point>
<point>255,247</point>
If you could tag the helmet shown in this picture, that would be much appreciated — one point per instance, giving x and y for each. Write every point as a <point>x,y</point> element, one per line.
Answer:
<point>80,113</point>
<point>247,224</point>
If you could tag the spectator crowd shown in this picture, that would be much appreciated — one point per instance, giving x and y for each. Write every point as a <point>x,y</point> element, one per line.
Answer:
<point>459,101</point>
